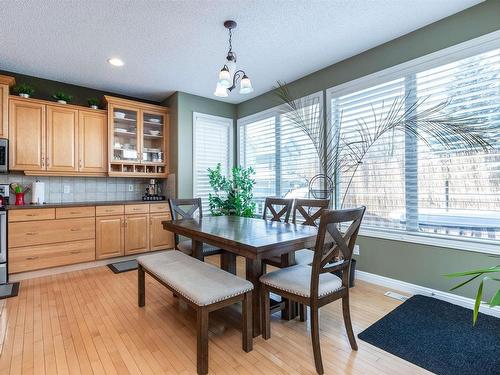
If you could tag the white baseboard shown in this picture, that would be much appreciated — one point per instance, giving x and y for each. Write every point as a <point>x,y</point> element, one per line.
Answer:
<point>403,286</point>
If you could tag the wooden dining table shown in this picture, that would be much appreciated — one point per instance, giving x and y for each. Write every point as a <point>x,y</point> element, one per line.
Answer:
<point>254,239</point>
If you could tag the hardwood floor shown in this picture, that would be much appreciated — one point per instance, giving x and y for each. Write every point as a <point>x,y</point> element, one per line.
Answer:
<point>88,322</point>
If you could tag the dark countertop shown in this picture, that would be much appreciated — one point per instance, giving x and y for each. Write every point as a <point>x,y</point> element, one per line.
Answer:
<point>79,204</point>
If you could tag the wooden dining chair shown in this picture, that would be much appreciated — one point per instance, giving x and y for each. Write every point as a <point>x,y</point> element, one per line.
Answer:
<point>316,285</point>
<point>188,209</point>
<point>277,209</point>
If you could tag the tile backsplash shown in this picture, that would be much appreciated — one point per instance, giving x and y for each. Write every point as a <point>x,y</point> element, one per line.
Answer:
<point>82,189</point>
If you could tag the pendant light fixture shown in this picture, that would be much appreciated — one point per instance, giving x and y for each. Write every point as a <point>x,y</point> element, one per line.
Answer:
<point>228,75</point>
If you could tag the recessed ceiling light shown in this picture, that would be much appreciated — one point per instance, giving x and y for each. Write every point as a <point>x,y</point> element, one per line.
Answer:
<point>115,61</point>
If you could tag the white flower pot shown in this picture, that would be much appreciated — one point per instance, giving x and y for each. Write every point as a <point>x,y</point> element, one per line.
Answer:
<point>94,107</point>
<point>62,102</point>
<point>24,95</point>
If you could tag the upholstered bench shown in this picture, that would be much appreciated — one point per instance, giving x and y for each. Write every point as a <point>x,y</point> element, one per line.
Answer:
<point>204,287</point>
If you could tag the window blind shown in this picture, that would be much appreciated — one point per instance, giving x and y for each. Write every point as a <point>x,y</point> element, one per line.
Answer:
<point>410,187</point>
<point>283,156</point>
<point>213,138</point>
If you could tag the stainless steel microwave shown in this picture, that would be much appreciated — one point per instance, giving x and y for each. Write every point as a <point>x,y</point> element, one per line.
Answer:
<point>4,155</point>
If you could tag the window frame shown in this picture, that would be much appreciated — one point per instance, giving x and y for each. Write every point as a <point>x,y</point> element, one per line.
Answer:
<point>217,121</point>
<point>442,57</point>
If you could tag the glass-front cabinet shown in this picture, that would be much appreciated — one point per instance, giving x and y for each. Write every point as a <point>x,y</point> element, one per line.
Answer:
<point>138,135</point>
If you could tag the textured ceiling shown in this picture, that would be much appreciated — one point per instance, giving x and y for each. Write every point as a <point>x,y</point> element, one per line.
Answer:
<point>180,45</point>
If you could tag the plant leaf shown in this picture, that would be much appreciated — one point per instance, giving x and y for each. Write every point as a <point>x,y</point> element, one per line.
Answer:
<point>479,295</point>
<point>465,282</point>
<point>467,273</point>
<point>495,300</point>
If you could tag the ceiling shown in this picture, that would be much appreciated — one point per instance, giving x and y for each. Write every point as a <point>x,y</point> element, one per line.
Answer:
<point>179,45</point>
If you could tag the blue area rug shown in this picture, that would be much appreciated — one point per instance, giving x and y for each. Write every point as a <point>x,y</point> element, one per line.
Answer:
<point>439,337</point>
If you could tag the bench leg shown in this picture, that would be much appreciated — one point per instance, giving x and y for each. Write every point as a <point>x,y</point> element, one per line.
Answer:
<point>247,331</point>
<point>141,286</point>
<point>202,340</point>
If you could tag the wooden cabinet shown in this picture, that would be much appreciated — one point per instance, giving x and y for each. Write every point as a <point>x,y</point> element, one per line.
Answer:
<point>5,83</point>
<point>93,142</point>
<point>138,138</point>
<point>27,127</point>
<point>109,236</point>
<point>136,234</point>
<point>62,139</point>
<point>159,238</point>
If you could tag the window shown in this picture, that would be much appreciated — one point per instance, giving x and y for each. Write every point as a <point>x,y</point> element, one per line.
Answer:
<point>212,144</point>
<point>283,156</point>
<point>407,187</point>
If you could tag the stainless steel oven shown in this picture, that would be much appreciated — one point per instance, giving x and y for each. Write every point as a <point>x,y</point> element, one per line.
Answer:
<point>4,155</point>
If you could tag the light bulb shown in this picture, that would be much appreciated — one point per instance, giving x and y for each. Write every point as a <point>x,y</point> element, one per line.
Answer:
<point>245,85</point>
<point>220,91</point>
<point>225,77</point>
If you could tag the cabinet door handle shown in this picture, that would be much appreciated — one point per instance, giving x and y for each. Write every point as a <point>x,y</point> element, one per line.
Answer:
<point>31,258</point>
<point>75,229</point>
<point>30,214</point>
<point>31,233</point>
<point>109,210</point>
<point>74,212</point>
<point>75,251</point>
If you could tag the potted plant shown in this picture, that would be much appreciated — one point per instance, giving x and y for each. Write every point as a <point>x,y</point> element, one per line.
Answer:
<point>93,103</point>
<point>232,195</point>
<point>62,98</point>
<point>24,90</point>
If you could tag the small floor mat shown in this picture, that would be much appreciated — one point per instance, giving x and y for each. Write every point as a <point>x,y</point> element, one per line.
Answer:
<point>439,337</point>
<point>119,267</point>
<point>9,290</point>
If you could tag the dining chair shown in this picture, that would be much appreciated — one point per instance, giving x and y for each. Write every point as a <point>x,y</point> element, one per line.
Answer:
<point>188,209</point>
<point>277,209</point>
<point>316,285</point>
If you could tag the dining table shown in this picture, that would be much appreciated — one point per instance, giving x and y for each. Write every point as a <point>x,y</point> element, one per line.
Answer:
<point>254,239</point>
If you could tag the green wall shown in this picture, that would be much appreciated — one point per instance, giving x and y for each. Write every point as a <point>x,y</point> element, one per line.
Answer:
<point>45,88</point>
<point>413,263</point>
<point>182,106</point>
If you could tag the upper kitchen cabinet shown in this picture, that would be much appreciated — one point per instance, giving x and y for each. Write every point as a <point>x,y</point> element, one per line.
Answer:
<point>56,139</point>
<point>27,128</point>
<point>5,83</point>
<point>138,138</point>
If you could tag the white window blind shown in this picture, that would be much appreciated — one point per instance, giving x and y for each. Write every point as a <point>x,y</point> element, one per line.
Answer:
<point>212,144</point>
<point>405,185</point>
<point>283,156</point>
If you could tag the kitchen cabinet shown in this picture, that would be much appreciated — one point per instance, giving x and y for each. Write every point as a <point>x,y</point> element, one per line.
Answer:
<point>62,139</point>
<point>27,127</point>
<point>93,142</point>
<point>138,138</point>
<point>136,233</point>
<point>5,83</point>
<point>159,238</point>
<point>109,236</point>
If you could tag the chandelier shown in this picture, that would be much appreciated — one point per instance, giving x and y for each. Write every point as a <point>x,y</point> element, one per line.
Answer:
<point>228,75</point>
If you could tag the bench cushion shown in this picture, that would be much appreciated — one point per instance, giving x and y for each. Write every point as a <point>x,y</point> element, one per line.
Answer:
<point>199,282</point>
<point>297,280</point>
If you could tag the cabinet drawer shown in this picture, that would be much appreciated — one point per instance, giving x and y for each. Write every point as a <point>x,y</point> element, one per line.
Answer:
<point>109,210</point>
<point>159,207</point>
<point>50,231</point>
<point>31,214</point>
<point>73,212</point>
<point>22,259</point>
<point>137,209</point>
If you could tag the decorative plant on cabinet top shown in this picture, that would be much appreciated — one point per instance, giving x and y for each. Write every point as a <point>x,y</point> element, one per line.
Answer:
<point>232,195</point>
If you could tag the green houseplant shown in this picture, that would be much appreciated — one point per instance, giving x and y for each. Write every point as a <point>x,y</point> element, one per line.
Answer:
<point>24,90</point>
<point>93,103</point>
<point>231,195</point>
<point>62,98</point>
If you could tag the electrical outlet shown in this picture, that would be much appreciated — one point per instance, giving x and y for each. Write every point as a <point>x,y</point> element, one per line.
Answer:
<point>356,250</point>
<point>66,189</point>
<point>130,187</point>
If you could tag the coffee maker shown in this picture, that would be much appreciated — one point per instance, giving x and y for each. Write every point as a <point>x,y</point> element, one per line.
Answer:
<point>153,191</point>
<point>4,194</point>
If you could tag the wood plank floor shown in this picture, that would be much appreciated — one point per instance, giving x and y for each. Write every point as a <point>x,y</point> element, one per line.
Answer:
<point>88,322</point>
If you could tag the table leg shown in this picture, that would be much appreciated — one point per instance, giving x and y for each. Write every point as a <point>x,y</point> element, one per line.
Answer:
<point>289,312</point>
<point>197,247</point>
<point>228,262</point>
<point>253,273</point>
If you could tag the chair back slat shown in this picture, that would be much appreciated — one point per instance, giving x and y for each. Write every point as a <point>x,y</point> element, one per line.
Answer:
<point>310,210</point>
<point>179,211</point>
<point>329,233</point>
<point>272,205</point>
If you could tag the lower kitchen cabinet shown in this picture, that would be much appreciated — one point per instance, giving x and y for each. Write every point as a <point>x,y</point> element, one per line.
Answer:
<point>136,234</point>
<point>159,238</point>
<point>109,236</point>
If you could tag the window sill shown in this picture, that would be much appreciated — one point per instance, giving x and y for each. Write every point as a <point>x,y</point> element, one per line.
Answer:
<point>478,246</point>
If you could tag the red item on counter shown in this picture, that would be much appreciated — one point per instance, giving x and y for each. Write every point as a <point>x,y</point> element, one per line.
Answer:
<point>19,199</point>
